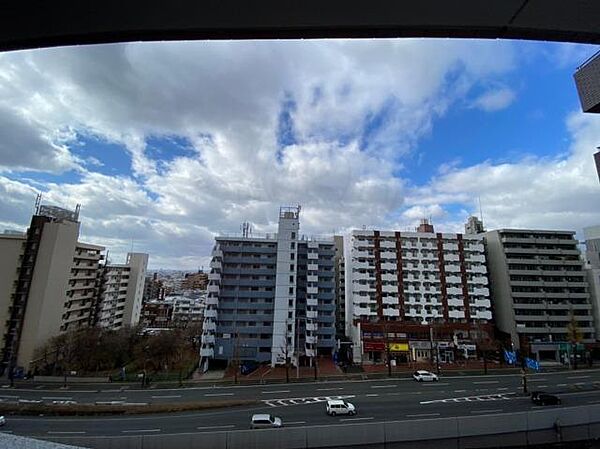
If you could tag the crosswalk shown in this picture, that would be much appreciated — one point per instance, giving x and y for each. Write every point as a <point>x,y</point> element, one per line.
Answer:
<point>479,398</point>
<point>302,401</point>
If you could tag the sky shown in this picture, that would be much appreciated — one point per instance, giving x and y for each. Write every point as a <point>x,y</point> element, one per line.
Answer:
<point>166,145</point>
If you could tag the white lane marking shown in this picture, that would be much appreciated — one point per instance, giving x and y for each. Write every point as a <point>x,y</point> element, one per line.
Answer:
<point>537,380</point>
<point>9,397</point>
<point>329,389</point>
<point>356,419</point>
<point>579,383</point>
<point>302,401</point>
<point>140,430</point>
<point>229,426</point>
<point>460,391</point>
<point>502,389</point>
<point>111,391</point>
<point>542,386</point>
<point>482,398</point>
<point>487,382</point>
<point>561,385</point>
<point>66,433</point>
<point>384,386</point>
<point>415,392</point>
<point>167,396</point>
<point>596,401</point>
<point>434,384</point>
<point>578,377</point>
<point>372,395</point>
<point>294,422</point>
<point>218,394</point>
<point>498,410</point>
<point>270,392</point>
<point>52,398</point>
<point>422,415</point>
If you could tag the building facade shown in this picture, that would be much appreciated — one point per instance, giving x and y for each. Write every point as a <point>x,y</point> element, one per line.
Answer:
<point>51,286</point>
<point>592,257</point>
<point>121,291</point>
<point>539,286</point>
<point>340,287</point>
<point>271,298</point>
<point>195,281</point>
<point>408,288</point>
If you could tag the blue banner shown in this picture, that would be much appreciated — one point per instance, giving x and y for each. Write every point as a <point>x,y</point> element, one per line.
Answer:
<point>532,364</point>
<point>510,357</point>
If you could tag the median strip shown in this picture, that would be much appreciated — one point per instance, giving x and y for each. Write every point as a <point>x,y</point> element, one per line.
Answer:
<point>118,408</point>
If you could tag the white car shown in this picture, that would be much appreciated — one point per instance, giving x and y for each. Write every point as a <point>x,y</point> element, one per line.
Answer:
<point>425,376</point>
<point>2,420</point>
<point>266,421</point>
<point>339,407</point>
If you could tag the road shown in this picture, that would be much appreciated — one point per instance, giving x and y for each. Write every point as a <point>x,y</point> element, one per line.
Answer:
<point>303,404</point>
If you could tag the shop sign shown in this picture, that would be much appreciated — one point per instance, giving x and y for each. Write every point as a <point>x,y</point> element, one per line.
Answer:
<point>398,347</point>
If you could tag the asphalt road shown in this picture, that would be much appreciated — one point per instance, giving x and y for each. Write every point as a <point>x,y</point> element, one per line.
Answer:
<point>304,404</point>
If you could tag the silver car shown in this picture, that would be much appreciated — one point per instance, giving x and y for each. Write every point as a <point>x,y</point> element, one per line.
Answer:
<point>265,421</point>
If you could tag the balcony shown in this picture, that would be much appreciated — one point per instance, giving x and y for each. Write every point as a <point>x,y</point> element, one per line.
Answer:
<point>208,339</point>
<point>477,247</point>
<point>477,269</point>
<point>312,302</point>
<point>312,326</point>
<point>311,314</point>
<point>387,244</point>
<point>363,311</point>
<point>453,280</point>
<point>390,300</point>
<point>389,288</point>
<point>213,288</point>
<point>456,314</point>
<point>453,302</point>
<point>312,256</point>
<point>479,280</point>
<point>312,290</point>
<point>216,264</point>
<point>391,312</point>
<point>482,315</point>
<point>389,277</point>
<point>312,267</point>
<point>212,301</point>
<point>452,268</point>
<point>210,313</point>
<point>209,325</point>
<point>480,258</point>
<point>312,278</point>
<point>482,303</point>
<point>207,352</point>
<point>450,247</point>
<point>454,291</point>
<point>484,291</point>
<point>452,257</point>
<point>309,352</point>
<point>388,255</point>
<point>214,276</point>
<point>310,339</point>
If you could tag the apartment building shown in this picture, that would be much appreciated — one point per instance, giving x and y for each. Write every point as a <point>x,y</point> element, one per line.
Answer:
<point>187,310</point>
<point>340,288</point>
<point>121,292</point>
<point>195,281</point>
<point>592,268</point>
<point>157,314</point>
<point>271,298</point>
<point>539,284</point>
<point>405,289</point>
<point>153,288</point>
<point>48,283</point>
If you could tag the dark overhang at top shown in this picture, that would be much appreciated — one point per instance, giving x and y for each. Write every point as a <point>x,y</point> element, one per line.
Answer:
<point>43,23</point>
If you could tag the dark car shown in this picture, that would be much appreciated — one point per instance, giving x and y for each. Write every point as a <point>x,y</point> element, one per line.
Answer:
<point>540,398</point>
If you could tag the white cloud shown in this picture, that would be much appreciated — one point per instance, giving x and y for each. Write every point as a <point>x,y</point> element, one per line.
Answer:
<point>553,193</point>
<point>494,100</point>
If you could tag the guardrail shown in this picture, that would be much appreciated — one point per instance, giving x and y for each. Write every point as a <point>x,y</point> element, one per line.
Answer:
<point>539,427</point>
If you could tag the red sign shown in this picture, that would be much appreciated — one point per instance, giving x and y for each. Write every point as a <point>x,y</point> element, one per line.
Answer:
<point>373,346</point>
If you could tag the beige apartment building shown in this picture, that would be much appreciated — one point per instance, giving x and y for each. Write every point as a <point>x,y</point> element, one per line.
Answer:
<point>47,283</point>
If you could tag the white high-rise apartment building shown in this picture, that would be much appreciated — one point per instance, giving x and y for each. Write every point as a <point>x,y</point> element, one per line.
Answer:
<point>399,284</point>
<point>122,292</point>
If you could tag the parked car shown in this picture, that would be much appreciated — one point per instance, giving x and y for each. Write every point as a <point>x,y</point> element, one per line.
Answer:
<point>339,407</point>
<point>425,376</point>
<point>540,398</point>
<point>2,420</point>
<point>265,421</point>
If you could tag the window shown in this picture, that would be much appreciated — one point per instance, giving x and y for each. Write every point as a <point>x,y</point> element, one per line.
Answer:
<point>291,290</point>
<point>292,278</point>
<point>293,245</point>
<point>292,267</point>
<point>292,256</point>
<point>293,235</point>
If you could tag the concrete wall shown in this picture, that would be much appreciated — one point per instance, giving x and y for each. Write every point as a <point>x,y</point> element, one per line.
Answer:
<point>43,316</point>
<point>501,297</point>
<point>138,263</point>
<point>543,426</point>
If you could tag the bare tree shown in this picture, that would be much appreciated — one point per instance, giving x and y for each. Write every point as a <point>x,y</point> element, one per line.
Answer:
<point>574,336</point>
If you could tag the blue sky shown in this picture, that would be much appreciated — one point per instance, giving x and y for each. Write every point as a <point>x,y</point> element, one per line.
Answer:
<point>168,144</point>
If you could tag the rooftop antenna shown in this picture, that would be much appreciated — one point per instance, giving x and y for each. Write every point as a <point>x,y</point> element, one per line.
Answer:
<point>38,201</point>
